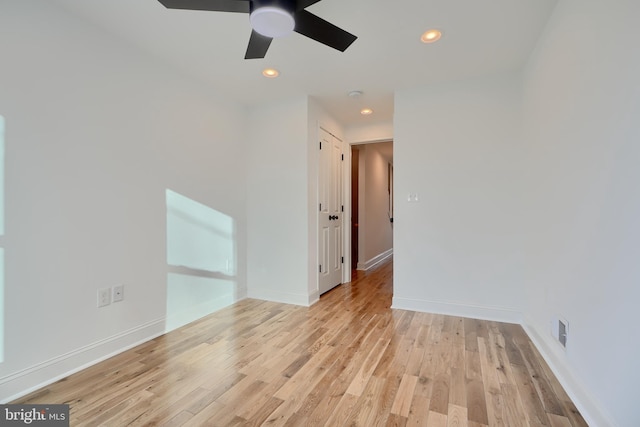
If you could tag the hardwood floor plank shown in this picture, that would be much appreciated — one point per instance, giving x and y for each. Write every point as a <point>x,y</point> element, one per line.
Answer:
<point>404,396</point>
<point>416,325</point>
<point>395,421</point>
<point>559,421</point>
<point>262,413</point>
<point>513,412</point>
<point>458,355</point>
<point>496,346</point>
<point>534,410</point>
<point>457,416</point>
<point>476,402</point>
<point>458,388</point>
<point>435,331</point>
<point>419,411</point>
<point>381,411</point>
<point>343,411</point>
<point>550,402</point>
<point>415,361</point>
<point>121,413</point>
<point>429,362</point>
<point>423,333</point>
<point>440,394</point>
<point>347,360</point>
<point>488,367</point>
<point>491,382</point>
<point>365,372</point>
<point>573,414</point>
<point>495,408</point>
<point>424,387</point>
<point>327,394</point>
<point>180,419</point>
<point>511,335</point>
<point>437,419</point>
<point>191,403</point>
<point>366,404</point>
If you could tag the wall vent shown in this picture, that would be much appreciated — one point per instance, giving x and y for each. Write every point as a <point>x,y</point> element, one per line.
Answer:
<point>560,330</point>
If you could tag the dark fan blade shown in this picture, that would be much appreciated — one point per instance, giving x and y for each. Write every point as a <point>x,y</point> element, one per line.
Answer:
<point>258,46</point>
<point>212,5</point>
<point>301,4</point>
<point>322,31</point>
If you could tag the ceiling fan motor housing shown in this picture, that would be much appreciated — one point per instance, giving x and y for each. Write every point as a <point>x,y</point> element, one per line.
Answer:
<point>272,18</point>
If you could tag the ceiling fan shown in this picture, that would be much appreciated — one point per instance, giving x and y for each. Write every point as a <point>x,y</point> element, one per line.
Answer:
<point>271,19</point>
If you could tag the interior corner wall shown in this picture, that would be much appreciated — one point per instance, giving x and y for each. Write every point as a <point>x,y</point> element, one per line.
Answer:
<point>456,146</point>
<point>277,202</point>
<point>95,134</point>
<point>582,128</point>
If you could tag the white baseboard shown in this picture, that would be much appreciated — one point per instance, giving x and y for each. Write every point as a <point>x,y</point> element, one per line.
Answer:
<point>375,260</point>
<point>27,380</point>
<point>281,297</point>
<point>498,314</point>
<point>314,297</point>
<point>590,410</point>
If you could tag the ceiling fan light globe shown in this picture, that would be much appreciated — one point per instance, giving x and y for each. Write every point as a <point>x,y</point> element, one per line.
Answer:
<point>272,21</point>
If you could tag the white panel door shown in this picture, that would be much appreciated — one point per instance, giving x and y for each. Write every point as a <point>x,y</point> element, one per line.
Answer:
<point>331,208</point>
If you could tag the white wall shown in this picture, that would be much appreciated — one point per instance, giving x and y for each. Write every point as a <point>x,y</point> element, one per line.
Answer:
<point>95,135</point>
<point>282,164</point>
<point>277,205</point>
<point>369,132</point>
<point>582,121</point>
<point>375,230</point>
<point>457,147</point>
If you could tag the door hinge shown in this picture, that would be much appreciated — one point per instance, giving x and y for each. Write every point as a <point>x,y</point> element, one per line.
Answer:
<point>320,269</point>
<point>342,208</point>
<point>342,260</point>
<point>342,157</point>
<point>320,207</point>
<point>321,145</point>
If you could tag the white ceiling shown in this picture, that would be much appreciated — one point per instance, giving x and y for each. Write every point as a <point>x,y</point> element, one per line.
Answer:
<point>480,37</point>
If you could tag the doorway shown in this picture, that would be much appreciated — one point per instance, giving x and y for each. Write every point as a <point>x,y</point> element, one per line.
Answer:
<point>371,204</point>
<point>355,168</point>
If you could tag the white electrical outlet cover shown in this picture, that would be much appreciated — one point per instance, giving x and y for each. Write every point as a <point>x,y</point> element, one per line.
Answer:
<point>104,297</point>
<point>118,293</point>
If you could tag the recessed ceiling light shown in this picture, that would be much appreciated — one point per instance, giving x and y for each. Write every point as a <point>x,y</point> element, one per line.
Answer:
<point>431,36</point>
<point>272,73</point>
<point>366,111</point>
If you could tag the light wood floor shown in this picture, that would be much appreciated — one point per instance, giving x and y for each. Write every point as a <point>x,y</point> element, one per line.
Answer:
<point>347,361</point>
